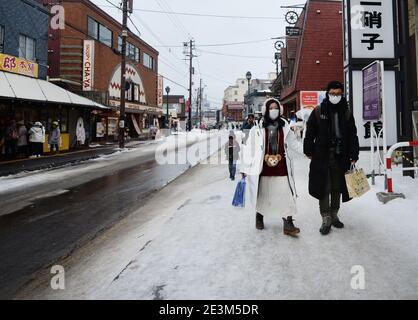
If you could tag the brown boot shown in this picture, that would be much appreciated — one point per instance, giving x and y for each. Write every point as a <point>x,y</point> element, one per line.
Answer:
<point>259,223</point>
<point>289,228</point>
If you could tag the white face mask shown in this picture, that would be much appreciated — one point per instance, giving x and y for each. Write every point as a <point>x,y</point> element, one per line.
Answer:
<point>274,114</point>
<point>334,99</point>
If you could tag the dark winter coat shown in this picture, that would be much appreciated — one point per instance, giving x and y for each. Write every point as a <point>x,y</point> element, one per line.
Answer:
<point>318,141</point>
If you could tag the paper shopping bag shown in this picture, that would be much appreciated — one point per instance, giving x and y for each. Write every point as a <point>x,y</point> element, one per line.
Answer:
<point>357,183</point>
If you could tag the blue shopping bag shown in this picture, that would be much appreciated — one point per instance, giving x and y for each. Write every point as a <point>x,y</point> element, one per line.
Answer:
<point>239,196</point>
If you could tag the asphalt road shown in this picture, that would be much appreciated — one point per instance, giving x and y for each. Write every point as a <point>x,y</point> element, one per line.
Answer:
<point>50,228</point>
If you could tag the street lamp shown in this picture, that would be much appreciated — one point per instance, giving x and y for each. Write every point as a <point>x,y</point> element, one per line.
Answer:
<point>167,89</point>
<point>248,76</point>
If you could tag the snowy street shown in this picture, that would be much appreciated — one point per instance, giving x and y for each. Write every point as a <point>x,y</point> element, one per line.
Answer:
<point>45,215</point>
<point>187,242</point>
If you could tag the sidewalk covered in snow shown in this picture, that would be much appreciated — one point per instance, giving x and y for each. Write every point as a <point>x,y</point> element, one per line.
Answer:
<point>188,242</point>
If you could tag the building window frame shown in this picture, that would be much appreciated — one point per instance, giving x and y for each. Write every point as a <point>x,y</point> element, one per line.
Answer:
<point>148,61</point>
<point>132,51</point>
<point>98,30</point>
<point>27,47</point>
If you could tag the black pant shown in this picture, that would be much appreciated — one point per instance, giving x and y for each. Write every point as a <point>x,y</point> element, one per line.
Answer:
<point>333,190</point>
<point>36,148</point>
<point>10,148</point>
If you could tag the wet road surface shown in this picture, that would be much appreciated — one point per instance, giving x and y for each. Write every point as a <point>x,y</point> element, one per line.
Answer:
<point>51,228</point>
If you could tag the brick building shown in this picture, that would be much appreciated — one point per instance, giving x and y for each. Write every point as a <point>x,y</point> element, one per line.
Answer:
<point>233,111</point>
<point>25,95</point>
<point>314,58</point>
<point>91,31</point>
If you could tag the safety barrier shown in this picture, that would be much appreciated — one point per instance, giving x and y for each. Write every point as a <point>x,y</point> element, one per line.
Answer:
<point>389,161</point>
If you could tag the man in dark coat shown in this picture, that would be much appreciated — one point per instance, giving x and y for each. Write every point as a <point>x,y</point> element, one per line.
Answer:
<point>331,143</point>
<point>248,124</point>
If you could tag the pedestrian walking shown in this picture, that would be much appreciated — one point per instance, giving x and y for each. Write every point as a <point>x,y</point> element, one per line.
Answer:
<point>22,142</point>
<point>248,124</point>
<point>232,150</point>
<point>332,144</point>
<point>54,137</point>
<point>10,140</point>
<point>36,139</point>
<point>267,163</point>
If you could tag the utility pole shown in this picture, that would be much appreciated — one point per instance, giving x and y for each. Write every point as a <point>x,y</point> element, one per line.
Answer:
<point>188,51</point>
<point>200,104</point>
<point>123,75</point>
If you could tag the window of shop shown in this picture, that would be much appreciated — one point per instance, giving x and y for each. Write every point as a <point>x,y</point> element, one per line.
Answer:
<point>148,61</point>
<point>99,32</point>
<point>132,52</point>
<point>132,94</point>
<point>1,39</point>
<point>27,47</point>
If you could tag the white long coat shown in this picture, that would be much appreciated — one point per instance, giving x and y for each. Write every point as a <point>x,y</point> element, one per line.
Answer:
<point>252,158</point>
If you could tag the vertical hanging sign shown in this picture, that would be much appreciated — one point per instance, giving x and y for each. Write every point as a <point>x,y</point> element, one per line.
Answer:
<point>372,92</point>
<point>88,65</point>
<point>160,91</point>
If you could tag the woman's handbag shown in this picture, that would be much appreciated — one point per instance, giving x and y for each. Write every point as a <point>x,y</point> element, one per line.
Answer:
<point>356,181</point>
<point>239,196</point>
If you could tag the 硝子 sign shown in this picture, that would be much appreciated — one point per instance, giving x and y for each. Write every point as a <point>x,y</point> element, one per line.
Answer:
<point>372,29</point>
<point>293,31</point>
<point>18,65</point>
<point>372,92</point>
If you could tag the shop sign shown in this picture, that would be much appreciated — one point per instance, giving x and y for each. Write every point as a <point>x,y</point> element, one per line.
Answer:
<point>310,99</point>
<point>372,98</point>
<point>293,31</point>
<point>88,65</point>
<point>101,128</point>
<point>112,126</point>
<point>16,65</point>
<point>372,28</point>
<point>160,90</point>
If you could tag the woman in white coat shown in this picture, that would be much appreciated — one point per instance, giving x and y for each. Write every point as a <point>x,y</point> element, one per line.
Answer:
<point>267,164</point>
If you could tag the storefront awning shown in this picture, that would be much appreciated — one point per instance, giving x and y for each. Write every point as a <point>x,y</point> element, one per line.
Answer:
<point>25,88</point>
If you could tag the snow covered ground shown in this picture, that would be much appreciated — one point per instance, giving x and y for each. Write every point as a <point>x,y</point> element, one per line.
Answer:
<point>188,242</point>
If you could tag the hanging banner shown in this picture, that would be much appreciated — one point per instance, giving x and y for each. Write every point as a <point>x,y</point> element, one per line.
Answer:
<point>18,65</point>
<point>136,126</point>
<point>88,65</point>
<point>160,91</point>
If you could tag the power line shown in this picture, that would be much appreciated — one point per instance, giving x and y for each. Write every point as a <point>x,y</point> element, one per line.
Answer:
<point>207,15</point>
<point>174,82</point>
<point>223,44</point>
<point>235,55</point>
<point>174,19</point>
<point>154,35</point>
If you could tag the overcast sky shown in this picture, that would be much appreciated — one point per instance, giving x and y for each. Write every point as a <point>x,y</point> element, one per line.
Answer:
<point>166,31</point>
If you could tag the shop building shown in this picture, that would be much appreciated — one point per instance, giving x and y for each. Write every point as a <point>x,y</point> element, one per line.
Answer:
<point>25,95</point>
<point>176,105</point>
<point>311,60</point>
<point>233,111</point>
<point>85,58</point>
